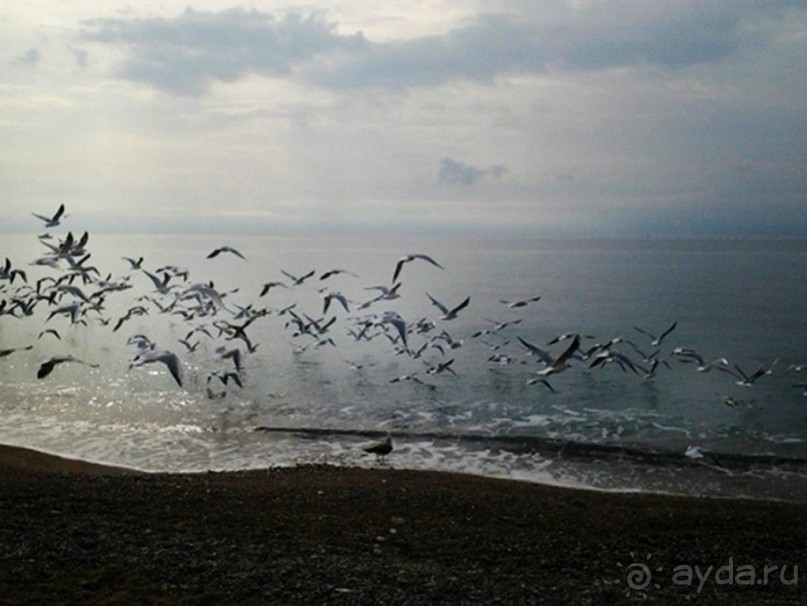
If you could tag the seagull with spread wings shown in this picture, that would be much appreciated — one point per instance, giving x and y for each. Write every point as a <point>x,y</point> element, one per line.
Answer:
<point>228,249</point>
<point>54,220</point>
<point>449,314</point>
<point>408,258</point>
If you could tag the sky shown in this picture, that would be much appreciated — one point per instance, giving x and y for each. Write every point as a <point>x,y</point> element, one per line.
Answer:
<point>679,118</point>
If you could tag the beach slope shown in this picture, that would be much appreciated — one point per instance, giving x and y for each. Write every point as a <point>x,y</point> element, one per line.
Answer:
<point>73,532</point>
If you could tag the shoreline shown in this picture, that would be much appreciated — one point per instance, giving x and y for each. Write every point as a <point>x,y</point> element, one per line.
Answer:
<point>28,459</point>
<point>79,532</point>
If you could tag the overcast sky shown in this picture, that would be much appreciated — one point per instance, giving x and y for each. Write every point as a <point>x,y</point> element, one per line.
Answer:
<point>548,117</point>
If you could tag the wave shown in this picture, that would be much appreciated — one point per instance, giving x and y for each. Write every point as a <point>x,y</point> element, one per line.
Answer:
<point>556,448</point>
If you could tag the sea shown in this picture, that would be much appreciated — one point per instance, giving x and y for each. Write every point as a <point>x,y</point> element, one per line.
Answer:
<point>461,395</point>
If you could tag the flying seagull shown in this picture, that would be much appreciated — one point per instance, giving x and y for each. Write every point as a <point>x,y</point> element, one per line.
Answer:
<point>134,263</point>
<point>334,272</point>
<point>543,382</point>
<point>412,257</point>
<point>337,296</point>
<point>553,365</point>
<point>449,314</point>
<point>54,220</point>
<point>655,341</point>
<point>170,360</point>
<point>744,379</point>
<point>295,281</point>
<point>266,287</point>
<point>228,249</point>
<point>48,365</point>
<point>8,352</point>
<point>519,303</point>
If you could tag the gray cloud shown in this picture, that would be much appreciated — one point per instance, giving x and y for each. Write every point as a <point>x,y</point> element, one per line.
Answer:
<point>30,57</point>
<point>80,55</point>
<point>452,172</point>
<point>185,54</point>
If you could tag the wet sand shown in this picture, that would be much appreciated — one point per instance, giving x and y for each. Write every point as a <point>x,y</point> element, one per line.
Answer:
<point>73,532</point>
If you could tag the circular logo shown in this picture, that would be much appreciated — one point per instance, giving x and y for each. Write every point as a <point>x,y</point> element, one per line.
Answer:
<point>638,576</point>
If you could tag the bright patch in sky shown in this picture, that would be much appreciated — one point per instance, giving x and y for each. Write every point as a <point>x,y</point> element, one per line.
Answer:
<point>533,118</point>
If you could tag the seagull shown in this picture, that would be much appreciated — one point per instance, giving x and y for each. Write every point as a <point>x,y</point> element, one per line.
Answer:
<point>449,314</point>
<point>226,377</point>
<point>230,354</point>
<point>689,355</point>
<point>609,356</point>
<point>8,352</point>
<point>694,452</point>
<point>48,365</point>
<point>265,288</point>
<point>388,317</point>
<point>72,309</point>
<point>412,257</point>
<point>499,326</point>
<point>160,284</point>
<point>339,297</point>
<point>380,449</point>
<point>170,360</point>
<point>519,303</point>
<point>6,273</point>
<point>414,379</point>
<point>553,365</point>
<point>295,280</point>
<point>54,220</point>
<point>228,249</point>
<point>334,272</point>
<point>543,382</point>
<point>656,341</point>
<point>442,367</point>
<point>744,379</point>
<point>387,294</point>
<point>207,292</point>
<point>134,263</point>
<point>536,351</point>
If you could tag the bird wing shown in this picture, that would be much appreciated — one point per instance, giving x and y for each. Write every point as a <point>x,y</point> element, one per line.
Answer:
<point>537,351</point>
<point>425,258</point>
<point>400,326</point>
<point>459,307</point>
<point>58,214</point>
<point>437,304</point>
<point>398,267</point>
<point>666,332</point>
<point>564,357</point>
<point>172,362</point>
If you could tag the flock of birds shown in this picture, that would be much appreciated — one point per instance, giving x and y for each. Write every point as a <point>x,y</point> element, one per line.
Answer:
<point>76,292</point>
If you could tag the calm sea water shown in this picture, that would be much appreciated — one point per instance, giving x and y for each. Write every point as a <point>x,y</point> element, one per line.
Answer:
<point>602,427</point>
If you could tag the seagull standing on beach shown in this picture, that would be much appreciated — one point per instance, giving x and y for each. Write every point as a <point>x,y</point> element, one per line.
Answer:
<point>380,449</point>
